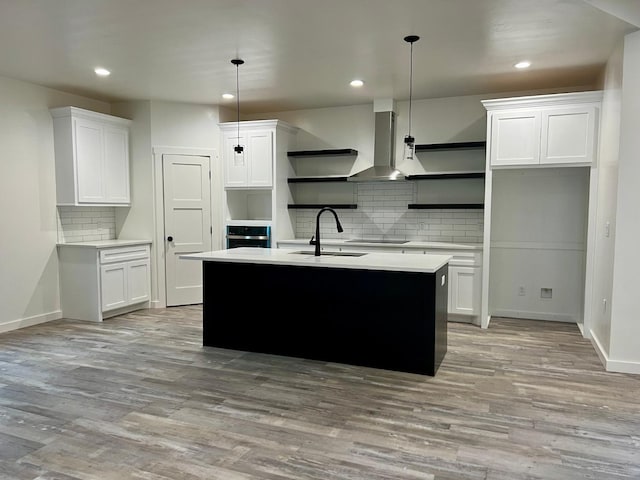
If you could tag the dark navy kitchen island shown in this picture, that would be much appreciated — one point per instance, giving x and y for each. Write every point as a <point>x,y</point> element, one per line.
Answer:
<point>377,310</point>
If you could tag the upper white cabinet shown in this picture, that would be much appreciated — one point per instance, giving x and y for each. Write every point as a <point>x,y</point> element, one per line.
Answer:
<point>544,130</point>
<point>92,157</point>
<point>253,167</point>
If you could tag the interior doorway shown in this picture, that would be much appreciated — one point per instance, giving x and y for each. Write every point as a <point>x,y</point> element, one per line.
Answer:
<point>186,181</point>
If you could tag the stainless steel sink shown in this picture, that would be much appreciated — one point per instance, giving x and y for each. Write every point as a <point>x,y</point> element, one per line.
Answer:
<point>334,254</point>
<point>382,240</point>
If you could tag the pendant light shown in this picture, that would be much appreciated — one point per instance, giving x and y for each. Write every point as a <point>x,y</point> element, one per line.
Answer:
<point>408,139</point>
<point>237,62</point>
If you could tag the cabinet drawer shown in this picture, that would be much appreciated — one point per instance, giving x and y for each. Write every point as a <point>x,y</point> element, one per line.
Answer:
<point>121,254</point>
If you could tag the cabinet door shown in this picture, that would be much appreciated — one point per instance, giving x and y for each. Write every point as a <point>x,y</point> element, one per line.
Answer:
<point>88,155</point>
<point>116,164</point>
<point>236,165</point>
<point>138,281</point>
<point>568,135</point>
<point>260,150</point>
<point>113,286</point>
<point>515,138</point>
<point>464,290</point>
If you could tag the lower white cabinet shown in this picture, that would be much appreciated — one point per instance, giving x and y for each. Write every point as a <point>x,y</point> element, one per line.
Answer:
<point>97,282</point>
<point>464,290</point>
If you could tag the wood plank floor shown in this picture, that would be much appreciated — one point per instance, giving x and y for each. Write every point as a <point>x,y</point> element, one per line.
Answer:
<point>138,397</point>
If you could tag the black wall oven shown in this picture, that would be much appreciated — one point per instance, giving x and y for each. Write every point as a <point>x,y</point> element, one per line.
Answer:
<point>248,236</point>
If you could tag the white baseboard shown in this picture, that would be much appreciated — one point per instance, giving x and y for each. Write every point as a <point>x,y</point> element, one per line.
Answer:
<point>30,321</point>
<point>602,353</point>
<point>551,317</point>
<point>619,366</point>
<point>156,304</point>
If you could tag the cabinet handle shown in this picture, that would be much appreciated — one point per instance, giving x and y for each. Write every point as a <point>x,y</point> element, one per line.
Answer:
<point>169,238</point>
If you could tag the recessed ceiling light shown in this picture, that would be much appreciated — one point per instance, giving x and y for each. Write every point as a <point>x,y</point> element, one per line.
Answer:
<point>228,96</point>
<point>102,72</point>
<point>523,64</point>
<point>356,83</point>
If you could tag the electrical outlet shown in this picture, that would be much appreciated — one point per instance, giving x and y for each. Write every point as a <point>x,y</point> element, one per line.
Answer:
<point>521,291</point>
<point>546,293</point>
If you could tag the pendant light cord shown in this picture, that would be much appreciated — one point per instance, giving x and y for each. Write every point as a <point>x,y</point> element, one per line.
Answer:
<point>408,139</point>
<point>238,99</point>
<point>410,86</point>
<point>237,62</point>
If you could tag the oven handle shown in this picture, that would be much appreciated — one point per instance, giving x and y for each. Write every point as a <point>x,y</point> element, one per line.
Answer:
<point>248,237</point>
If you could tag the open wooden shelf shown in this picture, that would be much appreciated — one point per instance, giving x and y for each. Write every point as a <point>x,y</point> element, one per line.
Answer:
<point>431,206</point>
<point>322,205</point>
<point>446,175</point>
<point>315,179</point>
<point>450,146</point>
<point>323,153</point>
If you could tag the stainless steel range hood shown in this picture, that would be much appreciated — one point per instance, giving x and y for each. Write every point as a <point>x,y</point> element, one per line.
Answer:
<point>384,163</point>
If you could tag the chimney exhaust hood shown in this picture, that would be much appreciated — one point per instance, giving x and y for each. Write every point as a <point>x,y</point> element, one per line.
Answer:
<point>384,163</point>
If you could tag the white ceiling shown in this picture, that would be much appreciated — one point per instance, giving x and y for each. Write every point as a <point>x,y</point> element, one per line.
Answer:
<point>303,53</point>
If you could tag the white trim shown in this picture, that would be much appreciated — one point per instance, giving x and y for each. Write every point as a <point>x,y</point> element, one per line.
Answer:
<point>555,99</point>
<point>88,115</point>
<point>156,304</point>
<point>225,126</point>
<point>619,366</point>
<point>169,150</point>
<point>602,354</point>
<point>30,321</point>
<point>525,315</point>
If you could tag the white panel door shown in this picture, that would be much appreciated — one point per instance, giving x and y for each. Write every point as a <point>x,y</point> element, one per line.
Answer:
<point>187,225</point>
<point>515,138</point>
<point>89,156</point>
<point>116,164</point>
<point>568,135</point>
<point>260,151</point>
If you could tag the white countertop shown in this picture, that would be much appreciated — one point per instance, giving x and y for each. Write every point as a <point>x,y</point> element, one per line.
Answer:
<point>368,261</point>
<point>334,242</point>
<point>105,243</point>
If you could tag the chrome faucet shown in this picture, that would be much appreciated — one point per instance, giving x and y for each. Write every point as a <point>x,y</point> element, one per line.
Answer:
<point>315,240</point>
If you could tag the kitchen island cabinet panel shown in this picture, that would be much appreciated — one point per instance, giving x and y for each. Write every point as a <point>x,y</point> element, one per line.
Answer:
<point>383,319</point>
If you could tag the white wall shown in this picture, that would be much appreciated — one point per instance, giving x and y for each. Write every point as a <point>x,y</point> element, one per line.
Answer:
<point>163,124</point>
<point>538,240</point>
<point>29,287</point>
<point>607,169</point>
<point>624,353</point>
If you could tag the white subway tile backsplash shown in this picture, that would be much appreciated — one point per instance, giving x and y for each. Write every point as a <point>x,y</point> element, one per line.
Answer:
<point>86,224</point>
<point>382,211</point>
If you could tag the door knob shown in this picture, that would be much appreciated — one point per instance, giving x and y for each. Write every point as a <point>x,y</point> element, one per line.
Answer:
<point>169,238</point>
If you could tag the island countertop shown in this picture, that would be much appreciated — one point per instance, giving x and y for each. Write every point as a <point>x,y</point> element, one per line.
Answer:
<point>367,261</point>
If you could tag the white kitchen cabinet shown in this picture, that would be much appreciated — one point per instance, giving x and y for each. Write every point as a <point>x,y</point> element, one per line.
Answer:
<point>253,167</point>
<point>464,290</point>
<point>102,279</point>
<point>546,130</point>
<point>255,181</point>
<point>91,156</point>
